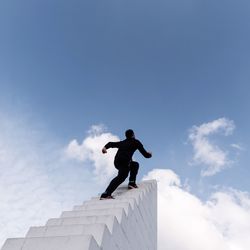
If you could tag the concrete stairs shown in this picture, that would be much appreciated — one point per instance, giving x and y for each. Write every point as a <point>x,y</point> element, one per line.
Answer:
<point>129,222</point>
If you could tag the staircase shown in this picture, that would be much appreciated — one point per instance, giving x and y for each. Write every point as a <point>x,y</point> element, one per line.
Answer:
<point>129,222</point>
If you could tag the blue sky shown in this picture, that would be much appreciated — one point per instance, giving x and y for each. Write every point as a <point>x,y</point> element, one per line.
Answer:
<point>159,67</point>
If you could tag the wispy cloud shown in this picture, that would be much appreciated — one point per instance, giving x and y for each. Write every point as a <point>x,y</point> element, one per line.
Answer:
<point>36,183</point>
<point>207,153</point>
<point>25,188</point>
<point>237,146</point>
<point>187,223</point>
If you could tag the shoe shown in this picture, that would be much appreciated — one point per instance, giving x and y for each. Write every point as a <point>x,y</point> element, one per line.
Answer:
<point>132,186</point>
<point>105,196</point>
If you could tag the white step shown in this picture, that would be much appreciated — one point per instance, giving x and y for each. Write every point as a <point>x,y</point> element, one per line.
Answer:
<point>130,200</point>
<point>87,206</point>
<point>109,220</point>
<point>13,244</point>
<point>85,242</point>
<point>117,230</point>
<point>100,232</point>
<point>118,212</point>
<point>128,222</point>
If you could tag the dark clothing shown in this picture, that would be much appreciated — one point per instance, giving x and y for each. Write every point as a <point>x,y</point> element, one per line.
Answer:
<point>123,172</point>
<point>126,150</point>
<point>123,161</point>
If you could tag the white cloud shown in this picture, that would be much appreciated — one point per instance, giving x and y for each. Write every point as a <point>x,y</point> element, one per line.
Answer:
<point>34,183</point>
<point>237,146</point>
<point>90,150</point>
<point>25,189</point>
<point>187,223</point>
<point>37,181</point>
<point>207,153</point>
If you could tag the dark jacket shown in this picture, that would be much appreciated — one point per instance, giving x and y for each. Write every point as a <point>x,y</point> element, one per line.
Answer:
<point>126,149</point>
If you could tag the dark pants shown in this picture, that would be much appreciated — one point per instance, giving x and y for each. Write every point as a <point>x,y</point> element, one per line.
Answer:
<point>123,170</point>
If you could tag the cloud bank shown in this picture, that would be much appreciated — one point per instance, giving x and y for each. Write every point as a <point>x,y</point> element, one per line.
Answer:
<point>36,183</point>
<point>187,223</point>
<point>206,153</point>
<point>25,189</point>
